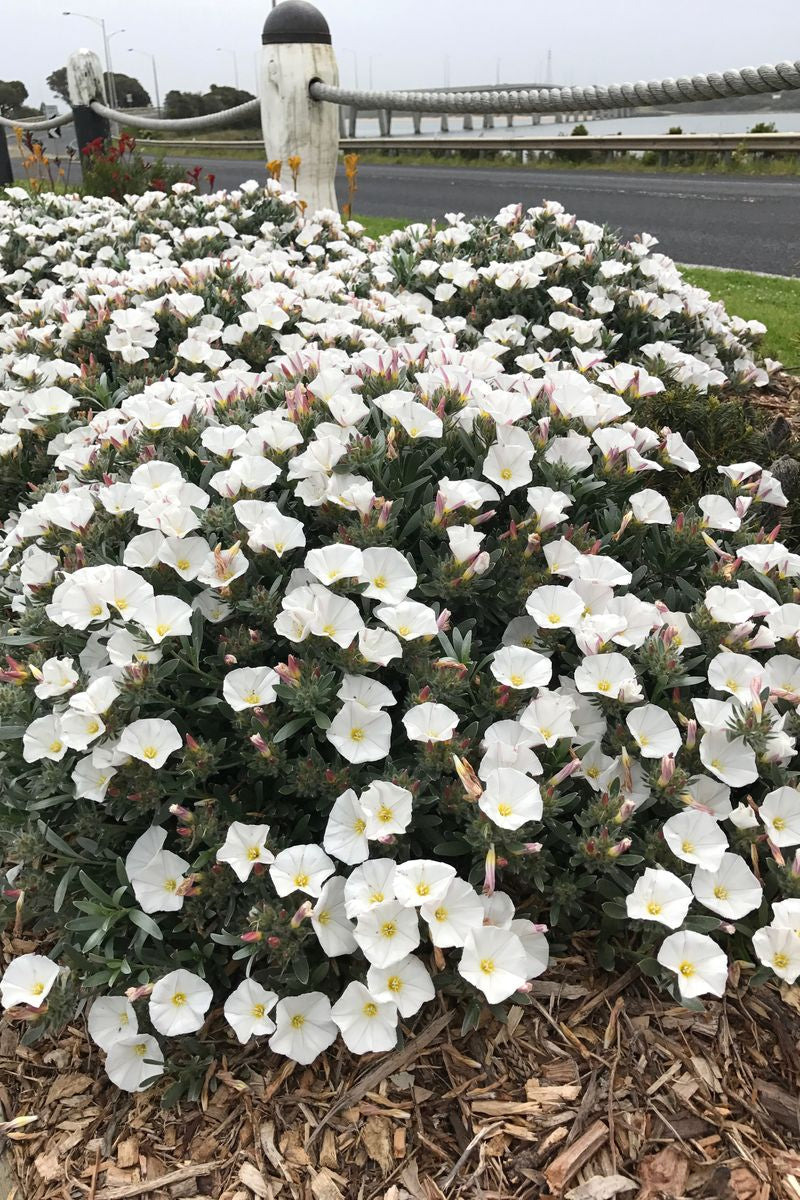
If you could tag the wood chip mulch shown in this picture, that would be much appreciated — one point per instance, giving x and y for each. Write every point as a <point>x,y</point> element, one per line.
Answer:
<point>780,399</point>
<point>598,1089</point>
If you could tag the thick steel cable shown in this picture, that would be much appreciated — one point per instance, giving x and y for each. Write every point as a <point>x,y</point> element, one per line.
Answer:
<point>749,81</point>
<point>51,122</point>
<point>208,121</point>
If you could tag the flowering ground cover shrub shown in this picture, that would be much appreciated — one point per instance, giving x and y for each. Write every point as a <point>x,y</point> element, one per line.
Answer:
<point>356,649</point>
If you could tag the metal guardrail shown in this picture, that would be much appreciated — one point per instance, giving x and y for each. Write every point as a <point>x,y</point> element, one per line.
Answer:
<point>782,142</point>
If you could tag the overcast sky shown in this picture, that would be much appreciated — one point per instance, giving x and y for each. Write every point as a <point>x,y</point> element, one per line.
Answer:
<point>410,43</point>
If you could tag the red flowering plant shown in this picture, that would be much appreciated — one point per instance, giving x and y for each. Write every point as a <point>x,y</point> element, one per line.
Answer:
<point>116,168</point>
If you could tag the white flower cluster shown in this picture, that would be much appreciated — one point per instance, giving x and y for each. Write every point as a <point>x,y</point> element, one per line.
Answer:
<point>261,404</point>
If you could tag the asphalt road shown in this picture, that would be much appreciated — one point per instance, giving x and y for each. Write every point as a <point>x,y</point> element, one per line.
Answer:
<point>750,222</point>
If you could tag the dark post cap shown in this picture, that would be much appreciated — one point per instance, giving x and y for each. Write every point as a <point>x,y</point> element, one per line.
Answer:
<point>295,21</point>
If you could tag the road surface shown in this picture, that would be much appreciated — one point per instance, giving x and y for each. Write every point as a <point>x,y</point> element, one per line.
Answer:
<point>750,222</point>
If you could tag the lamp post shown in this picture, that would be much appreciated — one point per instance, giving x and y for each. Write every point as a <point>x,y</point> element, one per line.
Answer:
<point>152,57</point>
<point>112,90</point>
<point>225,50</point>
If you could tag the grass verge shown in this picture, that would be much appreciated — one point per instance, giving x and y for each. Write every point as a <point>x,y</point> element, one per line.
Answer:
<point>773,299</point>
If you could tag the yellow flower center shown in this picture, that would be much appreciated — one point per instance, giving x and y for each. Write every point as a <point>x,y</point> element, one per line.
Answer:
<point>123,1018</point>
<point>182,564</point>
<point>179,999</point>
<point>96,610</point>
<point>329,630</point>
<point>140,1048</point>
<point>592,772</point>
<point>553,618</point>
<point>56,747</point>
<point>780,961</point>
<point>253,853</point>
<point>384,814</point>
<point>546,733</point>
<point>297,1021</point>
<point>37,989</point>
<point>643,740</point>
<point>504,810</point>
<point>604,685</point>
<point>388,929</point>
<point>654,908</point>
<point>517,681</point>
<point>506,473</point>
<point>280,547</point>
<point>170,885</point>
<point>324,917</point>
<point>716,764</point>
<point>301,881</point>
<point>161,630</point>
<point>376,898</point>
<point>423,889</point>
<point>721,892</point>
<point>150,752</point>
<point>687,847</point>
<point>379,581</point>
<point>360,825</point>
<point>394,983</point>
<point>487,966</point>
<point>121,603</point>
<point>779,823</point>
<point>732,685</point>
<point>92,727</point>
<point>357,734</point>
<point>404,630</point>
<point>441,914</point>
<point>258,1011</point>
<point>370,1009</point>
<point>686,969</point>
<point>252,698</point>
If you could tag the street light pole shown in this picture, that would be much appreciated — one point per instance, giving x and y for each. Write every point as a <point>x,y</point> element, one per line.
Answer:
<point>152,57</point>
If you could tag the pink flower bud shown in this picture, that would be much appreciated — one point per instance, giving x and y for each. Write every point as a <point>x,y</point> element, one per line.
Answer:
<point>620,848</point>
<point>490,872</point>
<point>230,659</point>
<point>667,769</point>
<point>532,848</point>
<point>569,768</point>
<point>303,911</point>
<point>691,734</point>
<point>252,935</point>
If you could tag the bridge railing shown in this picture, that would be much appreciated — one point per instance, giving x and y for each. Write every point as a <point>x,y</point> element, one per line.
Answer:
<point>302,106</point>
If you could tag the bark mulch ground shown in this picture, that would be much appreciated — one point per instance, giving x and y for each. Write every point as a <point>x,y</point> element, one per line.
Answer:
<point>598,1089</point>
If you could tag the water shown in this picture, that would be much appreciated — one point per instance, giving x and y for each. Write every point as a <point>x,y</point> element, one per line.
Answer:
<point>654,123</point>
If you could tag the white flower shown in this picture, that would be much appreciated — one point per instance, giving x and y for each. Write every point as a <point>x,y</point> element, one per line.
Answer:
<point>779,949</point>
<point>366,691</point>
<point>379,646</point>
<point>733,673</point>
<point>650,507</point>
<point>780,813</point>
<point>28,980</point>
<point>695,837</point>
<point>369,884</point>
<point>534,943</point>
<point>610,675</point>
<point>179,1002</point>
<point>249,687</point>
<point>329,919</point>
<point>56,676</point>
<point>164,616</point>
<point>244,847</point>
<point>186,556</point>
<point>494,961</point>
<point>453,915</point>
<point>730,759</point>
<point>246,1010</point>
<point>387,932</point>
<point>409,619</point>
<point>44,738</point>
<point>331,563</point>
<point>555,607</point>
<point>659,896</point>
<point>732,890</point>
<point>360,734</point>
<point>430,722</point>
<point>151,741</point>
<point>548,719</point>
<point>300,868</point>
<point>346,832</point>
<point>366,1023</point>
<point>406,984</point>
<point>698,962</point>
<point>654,731</point>
<point>133,1063</point>
<point>157,884</point>
<point>303,1027</point>
<point>111,1018</point>
<point>510,799</point>
<point>387,574</point>
<point>422,881</point>
<point>786,915</point>
<point>520,668</point>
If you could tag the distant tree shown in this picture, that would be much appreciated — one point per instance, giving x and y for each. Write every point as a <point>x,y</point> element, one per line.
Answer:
<point>57,82</point>
<point>13,95</point>
<point>130,93</point>
<point>764,127</point>
<point>183,104</point>
<point>218,98</point>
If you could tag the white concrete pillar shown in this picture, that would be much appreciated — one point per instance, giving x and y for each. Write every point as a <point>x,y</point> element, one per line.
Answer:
<point>296,49</point>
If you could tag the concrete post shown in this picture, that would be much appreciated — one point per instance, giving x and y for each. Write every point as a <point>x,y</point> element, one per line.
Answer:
<point>85,84</point>
<point>352,120</point>
<point>444,124</point>
<point>488,120</point>
<point>385,121</point>
<point>296,49</point>
<point>417,119</point>
<point>6,170</point>
<point>467,124</point>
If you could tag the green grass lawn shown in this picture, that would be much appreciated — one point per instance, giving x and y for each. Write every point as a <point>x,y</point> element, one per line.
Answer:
<point>773,299</point>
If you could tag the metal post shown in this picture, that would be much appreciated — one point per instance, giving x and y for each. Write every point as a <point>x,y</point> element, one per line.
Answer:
<point>85,84</point>
<point>6,170</point>
<point>296,49</point>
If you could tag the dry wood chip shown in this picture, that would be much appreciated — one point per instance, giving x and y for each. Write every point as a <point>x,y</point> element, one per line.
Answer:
<point>255,1181</point>
<point>324,1187</point>
<point>561,1170</point>
<point>663,1174</point>
<point>64,1086</point>
<point>377,1138</point>
<point>601,1187</point>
